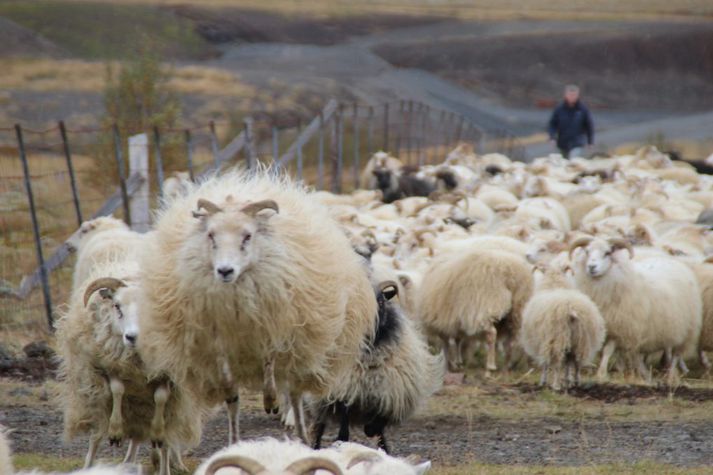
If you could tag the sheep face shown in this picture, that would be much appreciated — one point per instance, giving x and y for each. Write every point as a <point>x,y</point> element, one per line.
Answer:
<point>117,314</point>
<point>383,178</point>
<point>229,236</point>
<point>103,223</point>
<point>600,254</point>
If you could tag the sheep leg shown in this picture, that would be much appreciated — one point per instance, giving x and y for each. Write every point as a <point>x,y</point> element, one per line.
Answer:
<point>491,337</point>
<point>376,428</point>
<point>318,429</point>
<point>577,372</point>
<point>543,376</point>
<point>269,388</point>
<point>94,440</point>
<point>672,376</point>
<point>116,419</point>
<point>556,374</point>
<point>607,352</point>
<point>233,405</point>
<point>164,464</point>
<point>644,371</point>
<point>158,423</point>
<point>296,402</point>
<point>682,366</point>
<point>452,355</point>
<point>704,360</point>
<point>174,454</point>
<point>132,451</point>
<point>343,412</point>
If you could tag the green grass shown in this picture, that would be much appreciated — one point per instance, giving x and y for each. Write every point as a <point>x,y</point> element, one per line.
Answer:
<point>107,31</point>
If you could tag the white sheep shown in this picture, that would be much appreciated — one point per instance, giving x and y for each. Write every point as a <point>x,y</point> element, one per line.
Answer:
<point>105,390</point>
<point>472,292</point>
<point>178,184</point>
<point>393,377</point>
<point>101,239</point>
<point>649,304</point>
<point>249,276</point>
<point>561,327</point>
<point>269,456</point>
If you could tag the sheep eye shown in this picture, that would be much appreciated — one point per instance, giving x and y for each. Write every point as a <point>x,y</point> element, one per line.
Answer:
<point>118,309</point>
<point>211,236</point>
<point>246,239</point>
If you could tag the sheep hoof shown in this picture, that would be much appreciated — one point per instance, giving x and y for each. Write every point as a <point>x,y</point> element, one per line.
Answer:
<point>275,410</point>
<point>157,444</point>
<point>115,441</point>
<point>269,402</point>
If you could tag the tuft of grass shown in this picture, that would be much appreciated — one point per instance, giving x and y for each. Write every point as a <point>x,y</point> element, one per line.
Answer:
<point>643,468</point>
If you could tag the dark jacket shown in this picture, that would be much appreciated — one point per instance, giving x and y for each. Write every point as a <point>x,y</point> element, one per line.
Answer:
<point>571,126</point>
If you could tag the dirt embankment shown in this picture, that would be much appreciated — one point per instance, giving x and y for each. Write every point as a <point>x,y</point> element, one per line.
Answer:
<point>644,67</point>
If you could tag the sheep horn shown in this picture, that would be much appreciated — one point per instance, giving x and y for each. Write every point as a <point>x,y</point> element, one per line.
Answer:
<point>102,283</point>
<point>312,464</point>
<point>385,285</point>
<point>246,464</point>
<point>581,242</point>
<point>367,457</point>
<point>209,206</point>
<point>253,208</point>
<point>617,244</point>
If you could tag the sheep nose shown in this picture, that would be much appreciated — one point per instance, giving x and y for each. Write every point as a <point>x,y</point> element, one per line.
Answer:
<point>225,272</point>
<point>130,338</point>
<point>592,268</point>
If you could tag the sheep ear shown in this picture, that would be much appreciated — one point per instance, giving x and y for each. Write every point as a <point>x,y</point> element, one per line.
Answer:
<point>389,289</point>
<point>405,280</point>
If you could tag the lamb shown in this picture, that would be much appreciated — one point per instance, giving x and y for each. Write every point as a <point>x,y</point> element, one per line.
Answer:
<point>104,386</point>
<point>101,239</point>
<point>393,377</point>
<point>258,284</point>
<point>474,291</point>
<point>561,327</point>
<point>269,456</point>
<point>648,304</point>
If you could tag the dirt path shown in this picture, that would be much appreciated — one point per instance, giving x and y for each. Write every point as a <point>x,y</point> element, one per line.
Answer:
<point>457,438</point>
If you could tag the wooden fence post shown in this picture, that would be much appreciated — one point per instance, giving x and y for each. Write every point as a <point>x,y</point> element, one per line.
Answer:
<point>139,164</point>
<point>214,144</point>
<point>118,156</point>
<point>250,151</point>
<point>70,170</point>
<point>386,127</point>
<point>320,153</point>
<point>355,125</point>
<point>35,227</point>
<point>189,153</point>
<point>340,147</point>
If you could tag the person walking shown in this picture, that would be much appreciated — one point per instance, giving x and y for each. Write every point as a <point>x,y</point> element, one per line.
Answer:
<point>571,127</point>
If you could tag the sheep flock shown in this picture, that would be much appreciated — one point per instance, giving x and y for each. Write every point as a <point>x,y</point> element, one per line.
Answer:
<point>351,308</point>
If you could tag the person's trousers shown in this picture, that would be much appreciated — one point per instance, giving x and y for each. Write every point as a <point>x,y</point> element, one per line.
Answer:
<point>571,153</point>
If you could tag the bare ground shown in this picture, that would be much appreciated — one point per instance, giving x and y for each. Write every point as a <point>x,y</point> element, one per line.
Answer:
<point>487,422</point>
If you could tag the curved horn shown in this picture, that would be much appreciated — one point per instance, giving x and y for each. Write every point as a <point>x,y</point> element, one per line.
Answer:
<point>253,208</point>
<point>308,465</point>
<point>102,283</point>
<point>581,242</point>
<point>246,464</point>
<point>617,243</point>
<point>209,206</point>
<point>364,457</point>
<point>385,285</point>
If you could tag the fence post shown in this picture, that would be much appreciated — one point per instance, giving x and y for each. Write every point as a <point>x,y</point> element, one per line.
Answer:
<point>459,130</point>
<point>70,169</point>
<point>139,164</point>
<point>299,152</point>
<point>35,227</point>
<point>399,129</point>
<point>386,127</point>
<point>275,144</point>
<point>189,152</point>
<point>250,152</point>
<point>409,118</point>
<point>340,146</point>
<point>333,153</point>
<point>370,132</point>
<point>320,153</point>
<point>122,175</point>
<point>158,159</point>
<point>214,144</point>
<point>355,170</point>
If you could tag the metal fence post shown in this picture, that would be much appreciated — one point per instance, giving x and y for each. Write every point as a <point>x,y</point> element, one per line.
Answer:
<point>35,227</point>
<point>214,144</point>
<point>355,125</point>
<point>340,146</point>
<point>189,152</point>
<point>370,132</point>
<point>333,153</point>
<point>299,152</point>
<point>139,164</point>
<point>122,174</point>
<point>409,118</point>
<point>386,127</point>
<point>320,153</point>
<point>70,169</point>
<point>250,152</point>
<point>399,129</point>
<point>275,144</point>
<point>158,159</point>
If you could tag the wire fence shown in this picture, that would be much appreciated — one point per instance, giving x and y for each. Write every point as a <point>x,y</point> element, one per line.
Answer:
<point>51,180</point>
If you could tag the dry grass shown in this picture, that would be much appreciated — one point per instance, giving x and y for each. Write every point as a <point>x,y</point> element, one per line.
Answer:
<point>476,9</point>
<point>50,75</point>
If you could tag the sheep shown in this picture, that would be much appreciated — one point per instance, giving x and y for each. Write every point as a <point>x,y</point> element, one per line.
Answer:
<point>704,274</point>
<point>561,327</point>
<point>472,292</point>
<point>104,386</point>
<point>393,377</point>
<point>101,239</point>
<point>178,184</point>
<point>649,305</point>
<point>257,280</point>
<point>269,456</point>
<point>380,160</point>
